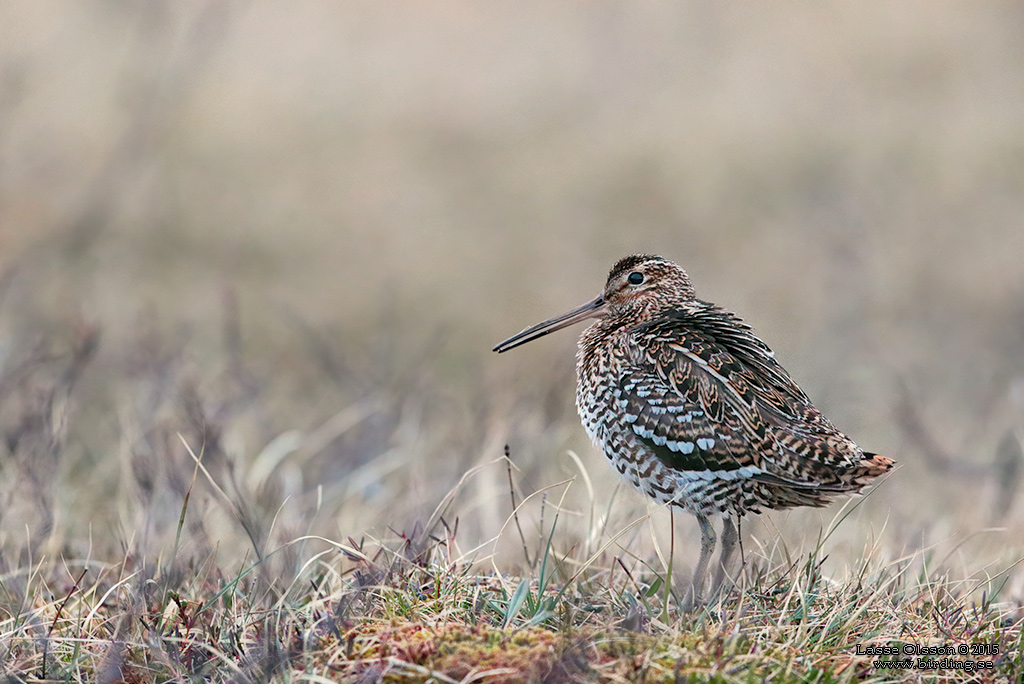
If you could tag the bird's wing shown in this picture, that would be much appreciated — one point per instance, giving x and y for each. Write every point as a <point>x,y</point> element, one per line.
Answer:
<point>703,393</point>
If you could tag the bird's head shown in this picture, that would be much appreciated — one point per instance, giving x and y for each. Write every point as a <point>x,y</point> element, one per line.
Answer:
<point>643,283</point>
<point>638,287</point>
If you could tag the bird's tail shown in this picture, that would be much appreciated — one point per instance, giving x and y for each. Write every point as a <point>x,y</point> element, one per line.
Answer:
<point>780,491</point>
<point>867,470</point>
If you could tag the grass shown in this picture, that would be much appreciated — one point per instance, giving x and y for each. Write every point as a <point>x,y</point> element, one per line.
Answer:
<point>415,608</point>
<point>223,566</point>
<point>418,607</point>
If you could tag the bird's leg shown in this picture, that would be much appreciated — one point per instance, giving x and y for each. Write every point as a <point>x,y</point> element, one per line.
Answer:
<point>729,537</point>
<point>707,547</point>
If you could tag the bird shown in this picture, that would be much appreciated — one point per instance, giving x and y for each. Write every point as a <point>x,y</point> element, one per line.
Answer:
<point>692,409</point>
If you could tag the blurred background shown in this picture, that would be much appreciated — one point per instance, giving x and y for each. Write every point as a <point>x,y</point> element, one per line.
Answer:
<point>288,235</point>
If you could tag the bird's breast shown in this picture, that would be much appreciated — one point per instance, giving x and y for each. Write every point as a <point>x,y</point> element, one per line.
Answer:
<point>600,364</point>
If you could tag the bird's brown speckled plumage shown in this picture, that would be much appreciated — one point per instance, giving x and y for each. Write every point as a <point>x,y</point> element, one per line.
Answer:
<point>694,410</point>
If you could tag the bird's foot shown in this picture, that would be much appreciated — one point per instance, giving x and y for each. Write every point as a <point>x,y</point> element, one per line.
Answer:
<point>692,602</point>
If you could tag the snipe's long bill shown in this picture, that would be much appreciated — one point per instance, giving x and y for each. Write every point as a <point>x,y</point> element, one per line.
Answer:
<point>692,408</point>
<point>591,309</point>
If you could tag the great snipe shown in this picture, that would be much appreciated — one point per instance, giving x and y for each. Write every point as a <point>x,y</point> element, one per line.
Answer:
<point>694,410</point>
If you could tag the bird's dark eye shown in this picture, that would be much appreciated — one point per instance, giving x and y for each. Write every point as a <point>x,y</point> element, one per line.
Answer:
<point>635,278</point>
